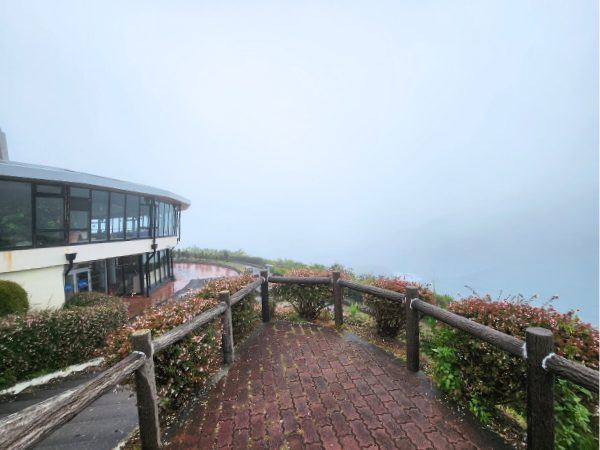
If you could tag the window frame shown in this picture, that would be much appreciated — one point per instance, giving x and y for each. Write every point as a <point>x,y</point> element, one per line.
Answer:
<point>152,203</point>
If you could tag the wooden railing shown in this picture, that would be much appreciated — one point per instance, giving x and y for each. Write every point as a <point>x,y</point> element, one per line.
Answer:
<point>537,350</point>
<point>26,428</point>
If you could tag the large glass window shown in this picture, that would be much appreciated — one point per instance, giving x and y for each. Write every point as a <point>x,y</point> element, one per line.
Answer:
<point>99,278</point>
<point>79,215</point>
<point>54,215</point>
<point>49,189</point>
<point>161,220</point>
<point>99,224</point>
<point>15,215</point>
<point>145,218</point>
<point>132,274</point>
<point>49,216</point>
<point>168,219</point>
<point>132,216</point>
<point>114,276</point>
<point>117,216</point>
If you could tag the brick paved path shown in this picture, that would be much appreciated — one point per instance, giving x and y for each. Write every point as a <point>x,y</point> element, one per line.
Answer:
<point>301,386</point>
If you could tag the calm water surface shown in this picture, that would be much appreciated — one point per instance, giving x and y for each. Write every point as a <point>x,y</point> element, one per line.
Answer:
<point>185,272</point>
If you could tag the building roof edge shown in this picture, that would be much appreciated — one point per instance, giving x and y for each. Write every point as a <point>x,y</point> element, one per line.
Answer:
<point>34,172</point>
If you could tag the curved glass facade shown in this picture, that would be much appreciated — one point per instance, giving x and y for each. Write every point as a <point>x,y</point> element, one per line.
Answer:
<point>50,215</point>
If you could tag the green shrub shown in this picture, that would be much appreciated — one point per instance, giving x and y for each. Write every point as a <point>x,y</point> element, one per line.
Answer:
<point>353,310</point>
<point>40,342</point>
<point>86,299</point>
<point>307,300</point>
<point>389,315</point>
<point>244,314</point>
<point>481,376</point>
<point>443,300</point>
<point>185,368</point>
<point>13,298</point>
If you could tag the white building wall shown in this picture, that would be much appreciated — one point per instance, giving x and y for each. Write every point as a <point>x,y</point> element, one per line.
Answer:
<point>40,271</point>
<point>35,258</point>
<point>44,286</point>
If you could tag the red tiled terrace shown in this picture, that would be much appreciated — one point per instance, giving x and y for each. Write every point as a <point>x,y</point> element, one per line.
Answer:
<point>305,387</point>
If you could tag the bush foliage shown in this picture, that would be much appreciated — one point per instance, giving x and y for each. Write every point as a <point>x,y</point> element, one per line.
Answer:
<point>482,376</point>
<point>13,298</point>
<point>307,300</point>
<point>40,342</point>
<point>85,299</point>
<point>244,314</point>
<point>390,316</point>
<point>182,368</point>
<point>187,366</point>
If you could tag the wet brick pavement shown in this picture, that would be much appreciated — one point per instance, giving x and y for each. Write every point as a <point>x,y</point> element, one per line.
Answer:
<point>305,387</point>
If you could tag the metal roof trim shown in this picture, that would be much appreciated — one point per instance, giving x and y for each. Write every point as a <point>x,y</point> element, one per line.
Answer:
<point>34,172</point>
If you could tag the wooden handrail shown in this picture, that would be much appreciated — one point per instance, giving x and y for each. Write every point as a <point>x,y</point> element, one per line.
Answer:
<point>29,426</point>
<point>300,280</point>
<point>242,293</point>
<point>373,290</point>
<point>501,340</point>
<point>178,333</point>
<point>573,371</point>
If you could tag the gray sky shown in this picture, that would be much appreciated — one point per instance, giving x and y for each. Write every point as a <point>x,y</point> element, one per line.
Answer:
<point>457,141</point>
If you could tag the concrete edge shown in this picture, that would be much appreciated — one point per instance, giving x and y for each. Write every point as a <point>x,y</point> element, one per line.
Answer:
<point>44,379</point>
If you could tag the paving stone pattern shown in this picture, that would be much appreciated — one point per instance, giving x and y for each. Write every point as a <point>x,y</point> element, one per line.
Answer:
<point>305,387</point>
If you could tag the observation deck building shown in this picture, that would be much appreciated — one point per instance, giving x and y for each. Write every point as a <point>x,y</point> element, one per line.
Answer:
<point>63,232</point>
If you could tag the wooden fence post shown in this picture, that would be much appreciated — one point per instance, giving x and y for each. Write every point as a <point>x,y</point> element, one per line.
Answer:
<point>145,387</point>
<point>264,296</point>
<point>412,330</point>
<point>540,390</point>
<point>337,299</point>
<point>227,329</point>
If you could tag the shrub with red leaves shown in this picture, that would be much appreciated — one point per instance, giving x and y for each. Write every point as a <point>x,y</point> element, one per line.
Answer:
<point>244,314</point>
<point>184,368</point>
<point>482,376</point>
<point>390,315</point>
<point>573,339</point>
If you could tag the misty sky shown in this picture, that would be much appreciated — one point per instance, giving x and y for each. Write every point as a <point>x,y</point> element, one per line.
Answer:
<point>456,141</point>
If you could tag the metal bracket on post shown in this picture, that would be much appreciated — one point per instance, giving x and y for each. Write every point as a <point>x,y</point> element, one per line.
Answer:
<point>145,386</point>
<point>227,329</point>
<point>412,329</point>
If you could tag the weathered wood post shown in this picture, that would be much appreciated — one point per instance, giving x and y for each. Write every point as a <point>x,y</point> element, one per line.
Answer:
<point>540,390</point>
<point>337,298</point>
<point>412,330</point>
<point>145,387</point>
<point>264,295</point>
<point>227,329</point>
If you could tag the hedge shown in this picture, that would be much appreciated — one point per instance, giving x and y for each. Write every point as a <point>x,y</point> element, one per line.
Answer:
<point>308,300</point>
<point>91,298</point>
<point>13,298</point>
<point>389,315</point>
<point>244,314</point>
<point>481,376</point>
<point>41,342</point>
<point>185,368</point>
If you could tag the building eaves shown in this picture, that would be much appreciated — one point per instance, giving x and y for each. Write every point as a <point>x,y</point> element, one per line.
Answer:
<point>34,172</point>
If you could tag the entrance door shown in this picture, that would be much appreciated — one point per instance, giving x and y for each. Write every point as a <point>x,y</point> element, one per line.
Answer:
<point>78,280</point>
